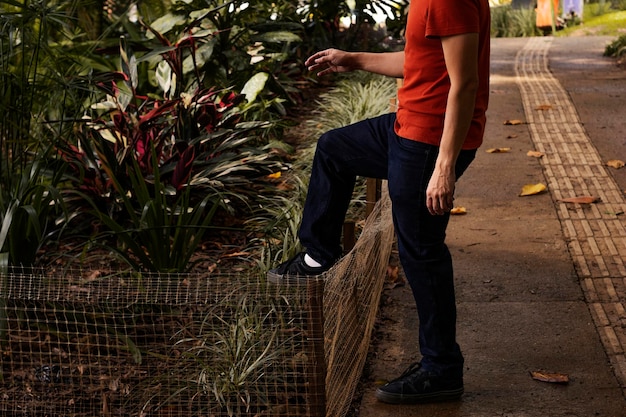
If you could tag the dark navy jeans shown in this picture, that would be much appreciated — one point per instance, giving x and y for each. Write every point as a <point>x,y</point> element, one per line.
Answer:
<point>372,149</point>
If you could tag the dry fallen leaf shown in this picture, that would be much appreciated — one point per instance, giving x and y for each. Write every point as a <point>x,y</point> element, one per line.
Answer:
<point>555,378</point>
<point>392,272</point>
<point>235,254</point>
<point>498,150</point>
<point>535,154</point>
<point>585,199</point>
<point>285,186</point>
<point>513,122</point>
<point>458,210</point>
<point>511,136</point>
<point>544,107</point>
<point>275,175</point>
<point>394,279</point>
<point>615,163</point>
<point>532,189</point>
<point>93,275</point>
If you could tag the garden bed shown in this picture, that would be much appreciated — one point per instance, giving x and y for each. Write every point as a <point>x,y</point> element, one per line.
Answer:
<point>157,345</point>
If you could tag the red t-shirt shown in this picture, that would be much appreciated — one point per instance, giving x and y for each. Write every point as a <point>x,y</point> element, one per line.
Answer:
<point>423,96</point>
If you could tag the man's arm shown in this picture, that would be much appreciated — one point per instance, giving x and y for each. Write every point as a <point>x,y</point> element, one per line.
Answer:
<point>461,56</point>
<point>335,60</point>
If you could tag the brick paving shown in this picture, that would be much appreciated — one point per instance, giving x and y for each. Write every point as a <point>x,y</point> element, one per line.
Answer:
<point>595,233</point>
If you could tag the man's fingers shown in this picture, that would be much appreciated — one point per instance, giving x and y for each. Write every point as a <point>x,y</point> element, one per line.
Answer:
<point>316,58</point>
<point>316,64</point>
<point>439,205</point>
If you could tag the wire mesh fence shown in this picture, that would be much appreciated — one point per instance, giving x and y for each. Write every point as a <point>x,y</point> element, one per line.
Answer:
<point>158,345</point>
<point>90,343</point>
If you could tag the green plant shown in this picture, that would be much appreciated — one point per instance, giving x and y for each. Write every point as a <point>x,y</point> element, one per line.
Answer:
<point>354,98</point>
<point>617,48</point>
<point>236,41</point>
<point>509,22</point>
<point>154,170</point>
<point>28,206</point>
<point>278,223</point>
<point>323,19</point>
<point>165,228</point>
<point>230,365</point>
<point>598,8</point>
<point>33,74</point>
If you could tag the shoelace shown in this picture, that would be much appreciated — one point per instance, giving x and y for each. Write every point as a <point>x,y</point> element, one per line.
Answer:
<point>412,369</point>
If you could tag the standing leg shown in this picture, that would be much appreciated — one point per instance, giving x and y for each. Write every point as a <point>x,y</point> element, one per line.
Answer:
<point>428,267</point>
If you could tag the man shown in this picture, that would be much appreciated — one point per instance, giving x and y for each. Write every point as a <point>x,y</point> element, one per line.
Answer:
<point>421,150</point>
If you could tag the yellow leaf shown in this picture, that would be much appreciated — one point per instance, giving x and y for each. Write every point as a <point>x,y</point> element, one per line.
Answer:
<point>544,107</point>
<point>585,199</point>
<point>498,150</point>
<point>275,175</point>
<point>535,154</point>
<point>513,122</point>
<point>458,211</point>
<point>615,163</point>
<point>532,189</point>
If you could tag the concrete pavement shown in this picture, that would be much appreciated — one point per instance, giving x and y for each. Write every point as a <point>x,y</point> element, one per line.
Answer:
<point>541,284</point>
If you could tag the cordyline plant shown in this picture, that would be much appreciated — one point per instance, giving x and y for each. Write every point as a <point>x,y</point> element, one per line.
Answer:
<point>155,170</point>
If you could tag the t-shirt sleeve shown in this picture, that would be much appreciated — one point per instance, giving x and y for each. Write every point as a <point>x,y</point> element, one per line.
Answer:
<point>452,17</point>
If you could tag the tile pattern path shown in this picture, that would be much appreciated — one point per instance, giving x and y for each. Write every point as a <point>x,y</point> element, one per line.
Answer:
<point>595,233</point>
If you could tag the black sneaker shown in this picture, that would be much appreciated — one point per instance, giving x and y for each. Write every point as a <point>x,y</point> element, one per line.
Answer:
<point>294,270</point>
<point>417,385</point>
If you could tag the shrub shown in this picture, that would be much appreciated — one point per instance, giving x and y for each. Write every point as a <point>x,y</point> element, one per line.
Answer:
<point>617,48</point>
<point>154,170</point>
<point>509,22</point>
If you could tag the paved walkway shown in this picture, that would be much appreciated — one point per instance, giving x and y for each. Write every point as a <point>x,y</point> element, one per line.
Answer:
<point>540,282</point>
<point>595,233</point>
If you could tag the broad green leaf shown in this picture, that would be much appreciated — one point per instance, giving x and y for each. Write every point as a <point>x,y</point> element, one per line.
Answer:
<point>203,54</point>
<point>199,14</point>
<point>166,23</point>
<point>254,86</point>
<point>280,36</point>
<point>106,134</point>
<point>156,55</point>
<point>125,96</point>
<point>7,219</point>
<point>104,105</point>
<point>132,68</point>
<point>163,75</point>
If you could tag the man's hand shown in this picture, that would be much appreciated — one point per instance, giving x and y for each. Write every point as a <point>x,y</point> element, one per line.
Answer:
<point>331,60</point>
<point>440,192</point>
